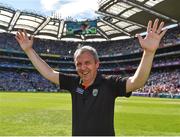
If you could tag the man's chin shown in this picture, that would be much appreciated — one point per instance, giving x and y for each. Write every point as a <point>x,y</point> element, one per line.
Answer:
<point>85,79</point>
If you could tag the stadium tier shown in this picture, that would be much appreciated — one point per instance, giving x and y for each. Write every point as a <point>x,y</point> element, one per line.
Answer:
<point>117,57</point>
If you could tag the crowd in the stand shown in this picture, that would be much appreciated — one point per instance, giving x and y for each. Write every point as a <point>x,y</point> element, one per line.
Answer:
<point>133,65</point>
<point>25,81</point>
<point>172,37</point>
<point>103,66</point>
<point>104,48</point>
<point>166,81</point>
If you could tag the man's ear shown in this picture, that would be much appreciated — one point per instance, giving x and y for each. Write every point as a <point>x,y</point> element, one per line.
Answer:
<point>97,64</point>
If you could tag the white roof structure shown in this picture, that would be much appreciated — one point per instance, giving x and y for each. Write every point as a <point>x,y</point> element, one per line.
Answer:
<point>117,18</point>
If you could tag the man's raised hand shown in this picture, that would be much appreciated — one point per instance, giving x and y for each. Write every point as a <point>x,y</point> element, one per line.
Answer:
<point>24,41</point>
<point>153,37</point>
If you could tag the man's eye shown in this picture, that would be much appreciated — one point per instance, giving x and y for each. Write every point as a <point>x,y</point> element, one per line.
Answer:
<point>78,64</point>
<point>87,63</point>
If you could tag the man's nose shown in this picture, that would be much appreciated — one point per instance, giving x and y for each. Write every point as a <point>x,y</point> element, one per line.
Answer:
<point>83,67</point>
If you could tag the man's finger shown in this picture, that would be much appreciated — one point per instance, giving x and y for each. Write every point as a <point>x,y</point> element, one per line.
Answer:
<point>163,33</point>
<point>19,35</point>
<point>140,38</point>
<point>149,26</point>
<point>155,25</point>
<point>18,39</point>
<point>160,27</point>
<point>25,33</point>
<point>32,37</point>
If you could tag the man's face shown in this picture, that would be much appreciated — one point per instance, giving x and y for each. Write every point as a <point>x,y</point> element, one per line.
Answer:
<point>86,67</point>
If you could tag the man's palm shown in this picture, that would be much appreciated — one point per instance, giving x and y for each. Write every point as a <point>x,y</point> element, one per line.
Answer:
<point>154,34</point>
<point>24,41</point>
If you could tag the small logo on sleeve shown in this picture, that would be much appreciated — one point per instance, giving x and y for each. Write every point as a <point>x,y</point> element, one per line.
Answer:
<point>95,92</point>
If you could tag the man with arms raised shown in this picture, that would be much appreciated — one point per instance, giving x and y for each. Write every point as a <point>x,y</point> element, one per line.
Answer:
<point>93,95</point>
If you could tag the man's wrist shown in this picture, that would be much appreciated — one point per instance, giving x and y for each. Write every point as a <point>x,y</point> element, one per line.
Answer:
<point>149,53</point>
<point>28,50</point>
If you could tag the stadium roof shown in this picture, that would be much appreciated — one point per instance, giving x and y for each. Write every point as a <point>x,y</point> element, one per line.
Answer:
<point>118,18</point>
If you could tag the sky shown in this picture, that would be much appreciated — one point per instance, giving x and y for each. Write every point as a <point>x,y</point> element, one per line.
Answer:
<point>78,9</point>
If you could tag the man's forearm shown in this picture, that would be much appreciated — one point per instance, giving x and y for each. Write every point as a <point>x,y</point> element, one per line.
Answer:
<point>142,73</point>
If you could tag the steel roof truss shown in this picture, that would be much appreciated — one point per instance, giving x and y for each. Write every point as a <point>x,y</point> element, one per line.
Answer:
<point>116,27</point>
<point>14,20</point>
<point>150,11</point>
<point>42,25</point>
<point>102,33</point>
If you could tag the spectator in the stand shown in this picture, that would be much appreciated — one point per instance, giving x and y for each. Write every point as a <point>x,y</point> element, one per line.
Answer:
<point>164,82</point>
<point>107,48</point>
<point>93,95</point>
<point>23,81</point>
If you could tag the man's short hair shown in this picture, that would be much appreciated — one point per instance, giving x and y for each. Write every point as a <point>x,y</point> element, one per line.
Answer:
<point>84,49</point>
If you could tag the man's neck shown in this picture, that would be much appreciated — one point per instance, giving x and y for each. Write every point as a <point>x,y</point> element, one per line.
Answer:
<point>87,84</point>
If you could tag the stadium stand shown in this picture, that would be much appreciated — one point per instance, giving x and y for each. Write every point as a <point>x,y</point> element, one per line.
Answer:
<point>116,56</point>
<point>18,74</point>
